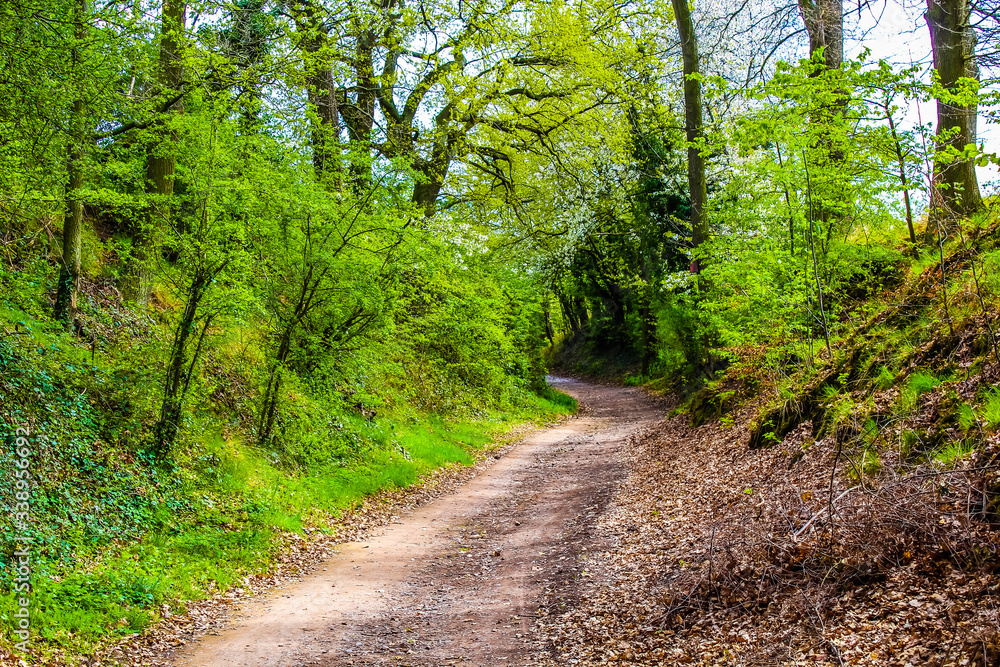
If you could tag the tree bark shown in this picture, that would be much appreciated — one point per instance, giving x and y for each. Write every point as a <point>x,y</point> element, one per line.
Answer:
<point>824,21</point>
<point>582,315</point>
<point>569,315</point>
<point>326,127</point>
<point>955,186</point>
<point>69,271</point>
<point>426,191</point>
<point>359,116</point>
<point>694,129</point>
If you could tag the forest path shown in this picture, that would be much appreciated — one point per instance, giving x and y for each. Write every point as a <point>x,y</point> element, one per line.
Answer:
<point>460,579</point>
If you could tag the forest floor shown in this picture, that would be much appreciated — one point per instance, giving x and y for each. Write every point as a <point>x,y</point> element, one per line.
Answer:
<point>623,537</point>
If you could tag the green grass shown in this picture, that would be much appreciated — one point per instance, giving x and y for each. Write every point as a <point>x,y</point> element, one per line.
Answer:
<point>927,258</point>
<point>990,412</point>
<point>953,452</point>
<point>966,417</point>
<point>867,463</point>
<point>636,380</point>
<point>917,385</point>
<point>233,503</point>
<point>885,378</point>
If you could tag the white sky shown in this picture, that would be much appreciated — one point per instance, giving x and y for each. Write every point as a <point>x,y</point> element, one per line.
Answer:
<point>895,30</point>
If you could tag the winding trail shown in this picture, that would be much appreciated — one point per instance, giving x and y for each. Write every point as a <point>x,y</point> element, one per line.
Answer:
<point>459,580</point>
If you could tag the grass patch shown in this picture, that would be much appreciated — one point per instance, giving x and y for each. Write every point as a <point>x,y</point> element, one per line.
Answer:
<point>885,378</point>
<point>917,385</point>
<point>966,417</point>
<point>954,452</point>
<point>222,520</point>
<point>990,412</point>
<point>636,380</point>
<point>866,464</point>
<point>926,259</point>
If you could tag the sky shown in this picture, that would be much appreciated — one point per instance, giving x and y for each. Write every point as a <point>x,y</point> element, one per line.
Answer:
<point>895,30</point>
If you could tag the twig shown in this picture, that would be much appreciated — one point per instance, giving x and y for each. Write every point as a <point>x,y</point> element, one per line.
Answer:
<point>711,558</point>
<point>820,513</point>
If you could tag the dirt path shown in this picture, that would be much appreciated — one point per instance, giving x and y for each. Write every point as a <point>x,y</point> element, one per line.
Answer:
<point>459,580</point>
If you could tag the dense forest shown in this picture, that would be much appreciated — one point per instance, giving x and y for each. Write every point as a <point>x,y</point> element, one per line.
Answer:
<point>263,259</point>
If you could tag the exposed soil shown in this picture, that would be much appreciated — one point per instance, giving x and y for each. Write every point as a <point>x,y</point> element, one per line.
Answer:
<point>462,579</point>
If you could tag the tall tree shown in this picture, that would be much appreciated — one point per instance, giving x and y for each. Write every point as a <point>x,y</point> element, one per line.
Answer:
<point>956,188</point>
<point>694,128</point>
<point>161,160</point>
<point>69,271</point>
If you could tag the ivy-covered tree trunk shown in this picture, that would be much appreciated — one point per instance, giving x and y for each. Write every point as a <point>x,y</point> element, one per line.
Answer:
<point>433,171</point>
<point>359,115</point>
<point>326,127</point>
<point>321,90</point>
<point>69,271</point>
<point>956,188</point>
<point>427,189</point>
<point>694,129</point>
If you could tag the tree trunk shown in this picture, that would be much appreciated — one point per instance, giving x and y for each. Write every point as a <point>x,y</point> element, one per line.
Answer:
<point>304,302</point>
<point>550,331</point>
<point>648,335</point>
<point>69,272</point>
<point>179,367</point>
<point>161,160</point>
<point>903,180</point>
<point>955,186</point>
<point>326,128</point>
<point>824,21</point>
<point>426,190</point>
<point>582,315</point>
<point>694,129</point>
<point>569,314</point>
<point>269,402</point>
<point>359,116</point>
<point>322,93</point>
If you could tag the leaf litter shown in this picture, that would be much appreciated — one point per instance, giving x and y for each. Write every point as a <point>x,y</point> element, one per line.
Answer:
<point>722,555</point>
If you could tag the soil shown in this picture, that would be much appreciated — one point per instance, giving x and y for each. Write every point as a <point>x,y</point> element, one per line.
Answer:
<point>464,578</point>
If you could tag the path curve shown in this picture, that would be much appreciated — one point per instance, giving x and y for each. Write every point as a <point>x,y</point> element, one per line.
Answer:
<point>460,579</point>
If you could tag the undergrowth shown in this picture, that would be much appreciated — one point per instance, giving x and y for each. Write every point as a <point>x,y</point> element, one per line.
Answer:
<point>119,538</point>
<point>899,424</point>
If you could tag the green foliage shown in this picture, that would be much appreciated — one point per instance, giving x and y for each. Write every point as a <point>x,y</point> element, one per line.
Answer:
<point>116,536</point>
<point>990,411</point>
